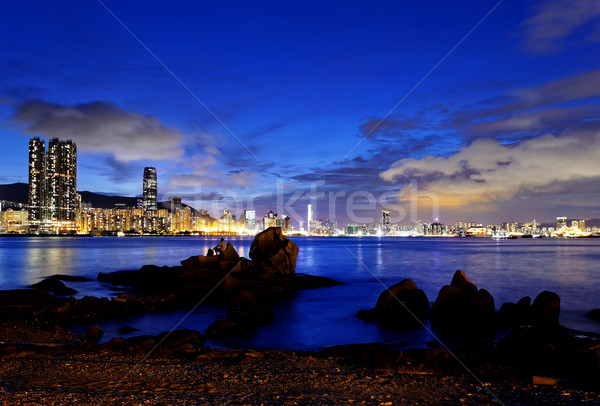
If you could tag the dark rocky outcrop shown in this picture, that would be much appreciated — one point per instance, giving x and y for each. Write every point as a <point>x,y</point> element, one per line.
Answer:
<point>461,309</point>
<point>515,314</point>
<point>24,298</point>
<point>69,278</point>
<point>545,310</point>
<point>226,279</point>
<point>400,305</point>
<point>594,314</point>
<point>272,253</point>
<point>126,329</point>
<point>55,286</point>
<point>94,333</point>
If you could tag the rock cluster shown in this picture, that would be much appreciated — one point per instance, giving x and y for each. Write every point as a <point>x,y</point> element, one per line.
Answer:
<point>246,287</point>
<point>461,308</point>
<point>543,313</point>
<point>402,304</point>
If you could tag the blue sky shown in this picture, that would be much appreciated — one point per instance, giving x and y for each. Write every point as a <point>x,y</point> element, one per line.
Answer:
<point>485,111</point>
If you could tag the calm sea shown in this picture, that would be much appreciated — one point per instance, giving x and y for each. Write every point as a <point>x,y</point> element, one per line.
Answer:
<point>508,269</point>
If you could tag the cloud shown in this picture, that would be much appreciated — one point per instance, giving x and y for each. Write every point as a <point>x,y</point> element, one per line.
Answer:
<point>556,20</point>
<point>103,127</point>
<point>548,120</point>
<point>486,171</point>
<point>390,126</point>
<point>553,107</point>
<point>582,86</point>
<point>203,171</point>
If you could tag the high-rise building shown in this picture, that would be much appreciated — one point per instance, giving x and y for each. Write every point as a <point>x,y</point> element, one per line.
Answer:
<point>61,180</point>
<point>561,222</point>
<point>385,222</point>
<point>309,219</point>
<point>249,220</point>
<point>37,170</point>
<point>150,192</point>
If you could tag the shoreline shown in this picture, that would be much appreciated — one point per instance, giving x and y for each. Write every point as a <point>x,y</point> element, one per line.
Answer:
<point>178,367</point>
<point>265,377</point>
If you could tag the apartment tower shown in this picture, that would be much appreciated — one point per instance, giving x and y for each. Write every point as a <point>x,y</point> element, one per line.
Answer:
<point>150,192</point>
<point>37,170</point>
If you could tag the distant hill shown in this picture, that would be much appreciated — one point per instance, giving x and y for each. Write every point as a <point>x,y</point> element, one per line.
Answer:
<point>14,192</point>
<point>17,192</point>
<point>100,201</point>
<point>592,223</point>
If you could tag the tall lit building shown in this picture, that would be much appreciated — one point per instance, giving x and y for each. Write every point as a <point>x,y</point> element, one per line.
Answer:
<point>249,220</point>
<point>561,222</point>
<point>61,180</point>
<point>150,192</point>
<point>385,222</point>
<point>309,219</point>
<point>37,170</point>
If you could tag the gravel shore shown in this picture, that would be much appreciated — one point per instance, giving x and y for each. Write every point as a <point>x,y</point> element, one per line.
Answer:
<point>238,377</point>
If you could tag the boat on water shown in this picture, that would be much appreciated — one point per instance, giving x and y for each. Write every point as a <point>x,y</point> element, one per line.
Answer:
<point>503,235</point>
<point>531,236</point>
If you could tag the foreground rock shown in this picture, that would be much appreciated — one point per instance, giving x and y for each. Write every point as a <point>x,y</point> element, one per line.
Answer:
<point>403,304</point>
<point>543,313</point>
<point>594,314</point>
<point>55,286</point>
<point>222,279</point>
<point>461,309</point>
<point>515,314</point>
<point>272,253</point>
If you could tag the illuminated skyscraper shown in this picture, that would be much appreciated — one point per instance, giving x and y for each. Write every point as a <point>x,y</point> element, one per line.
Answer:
<point>150,193</point>
<point>37,169</point>
<point>561,222</point>
<point>309,219</point>
<point>249,220</point>
<point>385,222</point>
<point>61,180</point>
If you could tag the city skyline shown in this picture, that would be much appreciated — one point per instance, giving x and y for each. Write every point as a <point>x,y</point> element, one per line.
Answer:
<point>489,107</point>
<point>55,206</point>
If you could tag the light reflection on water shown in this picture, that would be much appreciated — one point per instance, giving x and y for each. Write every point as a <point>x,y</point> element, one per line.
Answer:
<point>315,318</point>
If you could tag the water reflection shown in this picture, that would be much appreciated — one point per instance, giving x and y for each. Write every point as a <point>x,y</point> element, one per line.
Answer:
<point>508,269</point>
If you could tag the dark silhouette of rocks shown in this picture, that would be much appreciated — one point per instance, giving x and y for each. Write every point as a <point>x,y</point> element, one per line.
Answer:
<point>402,304</point>
<point>545,310</point>
<point>24,298</point>
<point>55,286</point>
<point>515,314</point>
<point>594,314</point>
<point>69,278</point>
<point>543,313</point>
<point>272,253</point>
<point>126,329</point>
<point>94,333</point>
<point>461,309</point>
<point>229,280</point>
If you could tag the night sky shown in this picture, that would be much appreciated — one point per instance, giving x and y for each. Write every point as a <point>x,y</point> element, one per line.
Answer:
<point>489,109</point>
